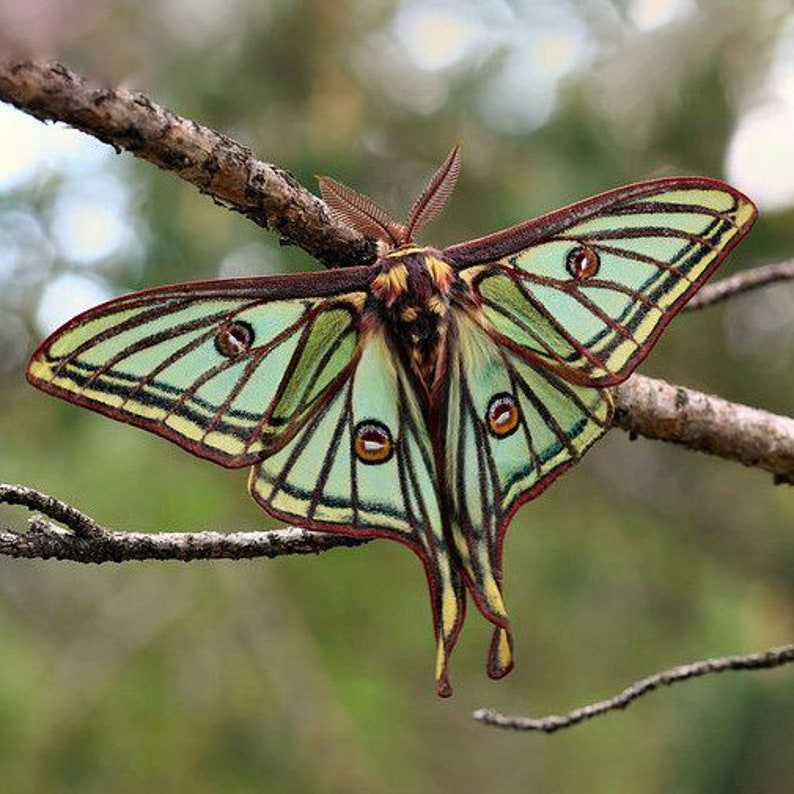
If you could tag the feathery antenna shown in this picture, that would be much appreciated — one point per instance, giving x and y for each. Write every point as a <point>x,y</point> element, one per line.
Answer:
<point>366,217</point>
<point>361,212</point>
<point>427,207</point>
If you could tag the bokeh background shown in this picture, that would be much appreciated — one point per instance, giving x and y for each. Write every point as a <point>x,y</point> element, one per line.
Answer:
<point>315,674</point>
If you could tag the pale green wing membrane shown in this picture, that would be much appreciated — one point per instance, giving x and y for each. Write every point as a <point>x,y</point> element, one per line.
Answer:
<point>363,465</point>
<point>512,427</point>
<point>586,290</point>
<point>319,476</point>
<point>565,304</point>
<point>225,369</point>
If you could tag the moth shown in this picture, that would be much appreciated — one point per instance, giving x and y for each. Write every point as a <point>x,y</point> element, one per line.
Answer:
<point>423,398</point>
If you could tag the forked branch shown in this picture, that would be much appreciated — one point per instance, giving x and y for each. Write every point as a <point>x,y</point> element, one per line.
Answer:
<point>72,535</point>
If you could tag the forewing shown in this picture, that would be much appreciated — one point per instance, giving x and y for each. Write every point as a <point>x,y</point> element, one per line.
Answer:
<point>586,290</point>
<point>226,369</point>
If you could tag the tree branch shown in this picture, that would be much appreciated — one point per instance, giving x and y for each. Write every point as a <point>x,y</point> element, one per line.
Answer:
<point>216,165</point>
<point>656,409</point>
<point>744,281</point>
<point>84,540</point>
<point>227,171</point>
<point>774,657</point>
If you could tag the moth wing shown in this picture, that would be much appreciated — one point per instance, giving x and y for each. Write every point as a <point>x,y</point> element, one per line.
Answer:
<point>363,465</point>
<point>512,427</point>
<point>586,290</point>
<point>225,369</point>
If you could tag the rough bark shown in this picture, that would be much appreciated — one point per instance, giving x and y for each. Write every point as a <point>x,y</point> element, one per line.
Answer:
<point>215,164</point>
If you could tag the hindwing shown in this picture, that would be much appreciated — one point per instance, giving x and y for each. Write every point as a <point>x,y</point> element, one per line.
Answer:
<point>512,427</point>
<point>364,465</point>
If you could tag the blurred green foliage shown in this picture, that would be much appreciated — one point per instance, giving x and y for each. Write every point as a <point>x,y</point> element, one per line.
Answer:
<point>315,675</point>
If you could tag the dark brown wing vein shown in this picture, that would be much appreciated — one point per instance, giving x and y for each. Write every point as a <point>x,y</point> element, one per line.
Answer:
<point>639,231</point>
<point>160,336</point>
<point>524,327</point>
<point>300,446</point>
<point>616,286</point>
<point>325,358</point>
<point>184,394</point>
<point>485,462</point>
<point>561,385</point>
<point>134,322</point>
<point>330,456</point>
<point>514,384</point>
<point>299,350</point>
<point>596,310</point>
<point>636,256</point>
<point>354,496</point>
<point>582,350</point>
<point>710,232</point>
<point>255,359</point>
<point>130,350</point>
<point>551,422</point>
<point>421,531</point>
<point>189,393</point>
<point>662,207</point>
<point>460,474</point>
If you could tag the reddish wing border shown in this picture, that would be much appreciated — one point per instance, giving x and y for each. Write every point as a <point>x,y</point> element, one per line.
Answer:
<point>262,289</point>
<point>508,242</point>
<point>494,248</point>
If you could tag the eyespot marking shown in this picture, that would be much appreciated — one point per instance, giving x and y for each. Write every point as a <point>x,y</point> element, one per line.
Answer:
<point>582,262</point>
<point>372,442</point>
<point>235,339</point>
<point>502,415</point>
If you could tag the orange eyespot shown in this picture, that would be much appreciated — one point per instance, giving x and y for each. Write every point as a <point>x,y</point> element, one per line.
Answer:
<point>582,262</point>
<point>503,415</point>
<point>235,339</point>
<point>372,442</point>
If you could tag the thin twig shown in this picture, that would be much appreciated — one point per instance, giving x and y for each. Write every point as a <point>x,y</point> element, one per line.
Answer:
<point>84,540</point>
<point>744,281</point>
<point>82,525</point>
<point>774,657</point>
